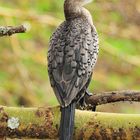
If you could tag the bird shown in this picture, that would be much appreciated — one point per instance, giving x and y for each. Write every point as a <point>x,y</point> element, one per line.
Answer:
<point>72,55</point>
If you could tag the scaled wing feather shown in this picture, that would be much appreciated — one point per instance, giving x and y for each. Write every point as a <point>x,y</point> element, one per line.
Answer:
<point>71,57</point>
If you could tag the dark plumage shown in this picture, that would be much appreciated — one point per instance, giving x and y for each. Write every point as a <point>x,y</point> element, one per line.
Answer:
<point>71,58</point>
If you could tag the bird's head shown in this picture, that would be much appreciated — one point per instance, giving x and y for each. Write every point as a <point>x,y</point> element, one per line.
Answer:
<point>74,9</point>
<point>78,2</point>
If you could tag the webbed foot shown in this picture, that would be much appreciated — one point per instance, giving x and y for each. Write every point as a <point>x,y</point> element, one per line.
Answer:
<point>89,107</point>
<point>82,102</point>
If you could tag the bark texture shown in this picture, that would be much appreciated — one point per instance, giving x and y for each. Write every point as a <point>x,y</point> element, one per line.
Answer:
<point>10,30</point>
<point>113,96</point>
<point>43,122</point>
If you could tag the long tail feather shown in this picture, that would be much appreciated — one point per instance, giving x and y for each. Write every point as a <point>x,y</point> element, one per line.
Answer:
<point>67,122</point>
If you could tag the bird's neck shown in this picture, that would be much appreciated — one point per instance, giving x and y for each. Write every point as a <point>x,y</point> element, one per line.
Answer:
<point>75,10</point>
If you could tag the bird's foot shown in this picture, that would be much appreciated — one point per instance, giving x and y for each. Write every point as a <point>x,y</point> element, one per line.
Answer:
<point>82,104</point>
<point>89,106</point>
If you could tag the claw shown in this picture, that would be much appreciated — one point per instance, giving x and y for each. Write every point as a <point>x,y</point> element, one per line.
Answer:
<point>88,93</point>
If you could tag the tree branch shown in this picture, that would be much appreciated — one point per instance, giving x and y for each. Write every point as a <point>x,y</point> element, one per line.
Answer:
<point>44,123</point>
<point>10,30</point>
<point>113,96</point>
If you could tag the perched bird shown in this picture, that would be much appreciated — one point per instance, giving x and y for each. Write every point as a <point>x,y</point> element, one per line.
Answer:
<point>72,55</point>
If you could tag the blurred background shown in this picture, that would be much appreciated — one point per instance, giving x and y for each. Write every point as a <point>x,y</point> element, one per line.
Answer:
<point>23,62</point>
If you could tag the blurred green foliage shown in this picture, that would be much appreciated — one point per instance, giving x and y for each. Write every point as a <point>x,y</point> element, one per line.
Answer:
<point>23,64</point>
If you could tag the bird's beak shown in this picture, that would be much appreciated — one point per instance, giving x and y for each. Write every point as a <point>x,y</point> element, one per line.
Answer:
<point>87,1</point>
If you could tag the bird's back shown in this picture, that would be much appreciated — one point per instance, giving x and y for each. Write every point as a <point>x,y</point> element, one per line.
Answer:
<point>72,55</point>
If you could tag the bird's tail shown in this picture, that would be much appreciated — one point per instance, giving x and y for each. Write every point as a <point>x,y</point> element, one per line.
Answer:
<point>67,122</point>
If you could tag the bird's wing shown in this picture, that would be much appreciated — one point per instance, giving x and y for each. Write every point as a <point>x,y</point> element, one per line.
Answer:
<point>71,58</point>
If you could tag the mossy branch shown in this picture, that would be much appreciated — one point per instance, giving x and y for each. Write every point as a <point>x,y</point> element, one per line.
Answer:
<point>113,96</point>
<point>10,30</point>
<point>44,123</point>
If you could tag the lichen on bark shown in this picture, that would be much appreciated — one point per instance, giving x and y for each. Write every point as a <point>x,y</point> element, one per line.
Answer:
<point>43,122</point>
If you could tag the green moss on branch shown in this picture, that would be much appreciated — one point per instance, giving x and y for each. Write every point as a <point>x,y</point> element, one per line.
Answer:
<point>44,123</point>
